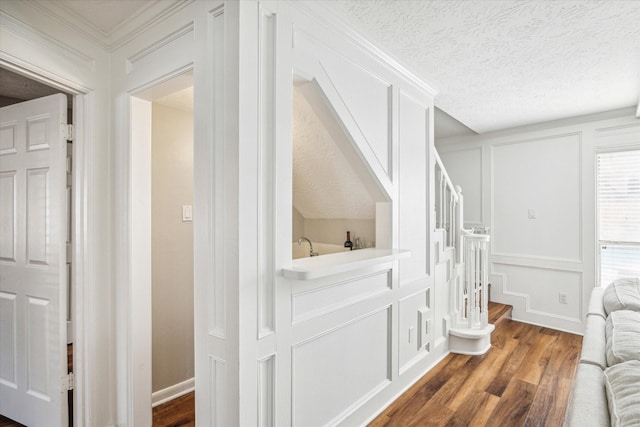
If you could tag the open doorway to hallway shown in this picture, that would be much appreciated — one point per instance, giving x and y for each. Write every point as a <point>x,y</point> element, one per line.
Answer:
<point>172,246</point>
<point>162,244</point>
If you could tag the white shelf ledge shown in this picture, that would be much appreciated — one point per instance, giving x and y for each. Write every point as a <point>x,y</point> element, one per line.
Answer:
<point>327,265</point>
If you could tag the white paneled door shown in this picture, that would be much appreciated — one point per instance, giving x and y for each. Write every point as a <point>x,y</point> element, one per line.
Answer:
<point>33,272</point>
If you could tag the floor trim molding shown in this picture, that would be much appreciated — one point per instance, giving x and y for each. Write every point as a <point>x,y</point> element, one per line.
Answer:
<point>172,392</point>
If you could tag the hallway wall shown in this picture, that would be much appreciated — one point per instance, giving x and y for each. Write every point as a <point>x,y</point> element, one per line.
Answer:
<point>171,246</point>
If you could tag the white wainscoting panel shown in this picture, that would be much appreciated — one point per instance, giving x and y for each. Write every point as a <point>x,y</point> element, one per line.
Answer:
<point>321,300</point>
<point>412,192</point>
<point>217,390</point>
<point>537,191</point>
<point>542,288</point>
<point>217,288</point>
<point>266,391</point>
<point>413,336</point>
<point>266,165</point>
<point>335,372</point>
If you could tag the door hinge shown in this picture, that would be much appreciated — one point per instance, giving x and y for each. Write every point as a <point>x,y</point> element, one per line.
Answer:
<point>68,382</point>
<point>68,132</point>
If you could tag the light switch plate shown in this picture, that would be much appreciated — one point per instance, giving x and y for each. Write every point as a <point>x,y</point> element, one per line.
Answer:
<point>187,213</point>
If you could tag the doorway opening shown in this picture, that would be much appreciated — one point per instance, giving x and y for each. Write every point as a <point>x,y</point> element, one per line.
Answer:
<point>162,248</point>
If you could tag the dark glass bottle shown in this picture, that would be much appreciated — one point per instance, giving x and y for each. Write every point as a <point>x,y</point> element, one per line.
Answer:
<point>347,244</point>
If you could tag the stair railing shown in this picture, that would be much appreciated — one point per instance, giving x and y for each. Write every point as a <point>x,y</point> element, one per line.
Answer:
<point>448,205</point>
<point>469,297</point>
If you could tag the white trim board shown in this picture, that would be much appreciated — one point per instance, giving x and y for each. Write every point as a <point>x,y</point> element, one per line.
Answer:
<point>172,392</point>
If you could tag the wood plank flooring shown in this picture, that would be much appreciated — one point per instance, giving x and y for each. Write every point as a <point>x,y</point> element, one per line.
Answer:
<point>524,380</point>
<point>180,412</point>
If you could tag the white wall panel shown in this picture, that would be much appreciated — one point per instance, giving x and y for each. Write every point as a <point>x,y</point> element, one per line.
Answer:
<point>540,178</point>
<point>413,337</point>
<point>324,299</point>
<point>368,102</point>
<point>216,291</point>
<point>8,216</point>
<point>542,287</point>
<point>266,391</point>
<point>337,371</point>
<point>8,337</point>
<point>217,391</point>
<point>266,165</point>
<point>413,181</point>
<point>465,169</point>
<point>150,62</point>
<point>37,216</point>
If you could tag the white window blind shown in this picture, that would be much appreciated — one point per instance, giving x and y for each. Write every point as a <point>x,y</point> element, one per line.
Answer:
<point>618,188</point>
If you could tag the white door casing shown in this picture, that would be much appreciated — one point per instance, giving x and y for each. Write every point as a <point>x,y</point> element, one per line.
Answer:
<point>33,236</point>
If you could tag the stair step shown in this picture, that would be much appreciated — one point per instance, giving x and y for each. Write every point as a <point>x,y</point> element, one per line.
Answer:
<point>499,312</point>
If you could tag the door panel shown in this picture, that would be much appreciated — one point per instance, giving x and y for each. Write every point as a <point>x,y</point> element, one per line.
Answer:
<point>33,223</point>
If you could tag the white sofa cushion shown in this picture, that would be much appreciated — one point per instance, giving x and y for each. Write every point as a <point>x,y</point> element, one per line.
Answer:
<point>588,402</point>
<point>622,332</point>
<point>622,383</point>
<point>622,294</point>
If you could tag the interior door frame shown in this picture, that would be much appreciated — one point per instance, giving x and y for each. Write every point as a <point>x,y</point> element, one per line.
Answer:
<point>83,108</point>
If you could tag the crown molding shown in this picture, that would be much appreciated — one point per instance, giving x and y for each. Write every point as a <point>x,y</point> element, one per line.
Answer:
<point>143,20</point>
<point>149,15</point>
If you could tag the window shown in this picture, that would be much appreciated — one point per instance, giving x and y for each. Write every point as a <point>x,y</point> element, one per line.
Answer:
<point>618,204</point>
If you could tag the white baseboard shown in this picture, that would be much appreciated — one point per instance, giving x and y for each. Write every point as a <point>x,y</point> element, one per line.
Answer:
<point>162,396</point>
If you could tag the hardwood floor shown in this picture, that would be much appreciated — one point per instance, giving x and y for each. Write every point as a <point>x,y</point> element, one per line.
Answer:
<point>524,380</point>
<point>180,412</point>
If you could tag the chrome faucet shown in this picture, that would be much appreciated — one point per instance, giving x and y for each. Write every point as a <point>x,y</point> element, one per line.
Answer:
<point>311,253</point>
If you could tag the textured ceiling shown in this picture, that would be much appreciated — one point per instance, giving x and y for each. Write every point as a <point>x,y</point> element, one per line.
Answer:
<point>496,63</point>
<point>500,64</point>
<point>325,185</point>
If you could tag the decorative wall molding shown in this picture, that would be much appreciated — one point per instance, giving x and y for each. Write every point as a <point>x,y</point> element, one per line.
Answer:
<point>578,160</point>
<point>218,391</point>
<point>527,297</point>
<point>368,339</point>
<point>215,175</point>
<point>267,28</point>
<point>185,30</point>
<point>325,299</point>
<point>267,391</point>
